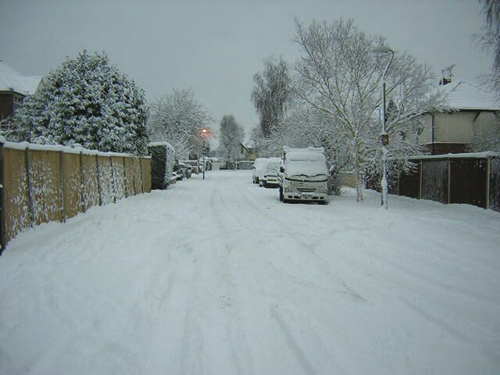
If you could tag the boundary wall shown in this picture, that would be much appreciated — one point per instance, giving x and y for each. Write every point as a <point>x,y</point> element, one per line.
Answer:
<point>39,184</point>
<point>454,178</point>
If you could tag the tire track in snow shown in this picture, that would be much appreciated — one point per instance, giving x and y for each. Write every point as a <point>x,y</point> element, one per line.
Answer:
<point>240,350</point>
<point>304,343</point>
<point>308,249</point>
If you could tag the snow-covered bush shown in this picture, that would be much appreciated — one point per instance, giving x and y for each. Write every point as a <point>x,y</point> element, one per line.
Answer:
<point>86,101</point>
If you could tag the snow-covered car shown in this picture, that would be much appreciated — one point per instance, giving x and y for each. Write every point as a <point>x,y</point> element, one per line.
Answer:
<point>184,170</point>
<point>264,169</point>
<point>195,168</point>
<point>270,174</point>
<point>258,169</point>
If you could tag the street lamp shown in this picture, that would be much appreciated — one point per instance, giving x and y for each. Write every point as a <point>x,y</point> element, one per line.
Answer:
<point>384,137</point>
<point>205,133</point>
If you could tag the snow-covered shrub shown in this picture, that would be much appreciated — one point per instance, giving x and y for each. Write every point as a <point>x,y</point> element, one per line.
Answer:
<point>86,101</point>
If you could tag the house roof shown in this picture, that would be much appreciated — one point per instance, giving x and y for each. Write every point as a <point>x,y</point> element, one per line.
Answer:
<point>463,95</point>
<point>11,80</point>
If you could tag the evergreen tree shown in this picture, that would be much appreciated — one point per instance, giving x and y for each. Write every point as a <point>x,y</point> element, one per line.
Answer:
<point>86,101</point>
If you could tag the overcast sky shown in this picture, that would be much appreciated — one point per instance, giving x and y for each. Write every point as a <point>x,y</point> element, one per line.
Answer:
<point>215,47</point>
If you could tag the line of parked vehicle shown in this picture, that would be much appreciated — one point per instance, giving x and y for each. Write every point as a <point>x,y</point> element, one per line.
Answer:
<point>301,175</point>
<point>186,168</point>
<point>265,172</point>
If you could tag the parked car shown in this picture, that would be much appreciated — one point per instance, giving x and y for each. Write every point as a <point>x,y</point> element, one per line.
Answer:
<point>270,176</point>
<point>258,169</point>
<point>184,170</point>
<point>265,171</point>
<point>194,164</point>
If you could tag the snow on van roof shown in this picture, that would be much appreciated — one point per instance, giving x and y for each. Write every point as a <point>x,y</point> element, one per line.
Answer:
<point>308,149</point>
<point>305,156</point>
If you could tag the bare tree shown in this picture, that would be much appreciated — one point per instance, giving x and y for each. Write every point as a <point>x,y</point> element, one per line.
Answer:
<point>339,76</point>
<point>178,119</point>
<point>270,94</point>
<point>489,39</point>
<point>231,137</point>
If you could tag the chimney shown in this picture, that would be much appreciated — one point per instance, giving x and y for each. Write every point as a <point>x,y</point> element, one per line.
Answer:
<point>447,75</point>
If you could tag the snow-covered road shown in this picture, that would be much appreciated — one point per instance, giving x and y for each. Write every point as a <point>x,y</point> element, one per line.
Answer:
<point>217,276</point>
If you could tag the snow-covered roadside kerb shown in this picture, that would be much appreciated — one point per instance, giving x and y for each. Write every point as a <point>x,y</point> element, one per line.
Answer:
<point>53,183</point>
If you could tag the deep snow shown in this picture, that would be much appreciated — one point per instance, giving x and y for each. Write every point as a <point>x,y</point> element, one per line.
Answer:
<point>217,276</point>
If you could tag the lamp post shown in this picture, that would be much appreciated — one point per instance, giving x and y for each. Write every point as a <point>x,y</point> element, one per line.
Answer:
<point>384,137</point>
<point>205,133</point>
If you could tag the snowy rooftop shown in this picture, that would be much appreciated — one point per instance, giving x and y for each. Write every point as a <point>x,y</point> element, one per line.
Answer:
<point>11,80</point>
<point>464,95</point>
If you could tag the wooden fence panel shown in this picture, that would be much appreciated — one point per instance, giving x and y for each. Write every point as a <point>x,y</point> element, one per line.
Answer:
<point>129,176</point>
<point>45,176</point>
<point>136,167</point>
<point>47,183</point>
<point>16,208</point>
<point>435,180</point>
<point>118,177</point>
<point>494,188</point>
<point>72,185</point>
<point>409,184</point>
<point>468,181</point>
<point>146,174</point>
<point>90,183</point>
<point>107,194</point>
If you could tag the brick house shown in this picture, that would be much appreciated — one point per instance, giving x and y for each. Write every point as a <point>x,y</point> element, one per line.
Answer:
<point>472,112</point>
<point>13,89</point>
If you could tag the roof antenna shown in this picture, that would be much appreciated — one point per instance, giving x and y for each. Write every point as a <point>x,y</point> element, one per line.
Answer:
<point>447,75</point>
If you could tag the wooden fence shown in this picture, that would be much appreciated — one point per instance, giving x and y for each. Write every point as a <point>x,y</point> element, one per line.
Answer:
<point>454,178</point>
<point>40,184</point>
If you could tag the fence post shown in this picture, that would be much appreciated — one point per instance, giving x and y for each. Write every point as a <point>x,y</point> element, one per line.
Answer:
<point>2,211</point>
<point>83,207</point>
<point>488,182</point>
<point>29,181</point>
<point>449,180</point>
<point>113,179</point>
<point>125,179</point>
<point>142,175</point>
<point>99,188</point>
<point>62,189</point>
<point>421,179</point>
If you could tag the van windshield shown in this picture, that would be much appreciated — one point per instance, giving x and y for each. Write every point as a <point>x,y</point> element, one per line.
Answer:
<point>306,163</point>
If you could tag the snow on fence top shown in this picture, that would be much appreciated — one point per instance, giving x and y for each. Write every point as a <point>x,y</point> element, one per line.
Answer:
<point>471,155</point>
<point>59,148</point>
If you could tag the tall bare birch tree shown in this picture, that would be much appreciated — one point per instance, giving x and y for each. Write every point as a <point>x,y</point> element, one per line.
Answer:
<point>339,75</point>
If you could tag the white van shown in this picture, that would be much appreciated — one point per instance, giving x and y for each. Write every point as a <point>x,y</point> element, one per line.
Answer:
<point>303,175</point>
